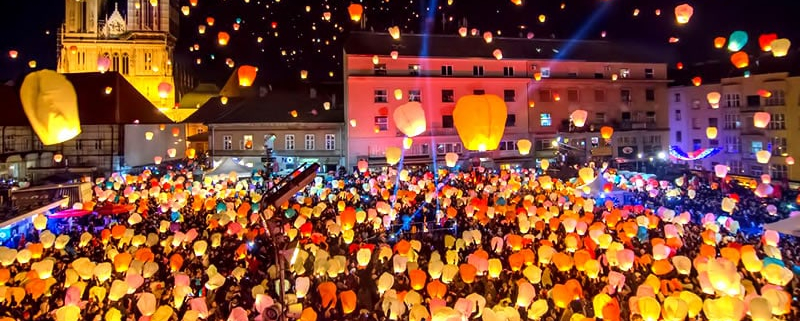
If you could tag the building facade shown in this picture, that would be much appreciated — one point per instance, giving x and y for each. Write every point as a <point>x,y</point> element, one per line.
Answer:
<point>691,115</point>
<point>540,84</point>
<point>139,47</point>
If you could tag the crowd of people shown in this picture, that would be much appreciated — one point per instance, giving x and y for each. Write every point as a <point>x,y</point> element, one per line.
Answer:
<point>400,245</point>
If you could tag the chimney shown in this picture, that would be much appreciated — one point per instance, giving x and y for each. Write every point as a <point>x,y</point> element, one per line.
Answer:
<point>312,93</point>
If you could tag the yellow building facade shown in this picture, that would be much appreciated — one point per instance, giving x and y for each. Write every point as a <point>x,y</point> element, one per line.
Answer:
<point>97,37</point>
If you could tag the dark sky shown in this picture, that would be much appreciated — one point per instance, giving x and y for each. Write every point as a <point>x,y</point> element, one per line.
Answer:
<point>25,24</point>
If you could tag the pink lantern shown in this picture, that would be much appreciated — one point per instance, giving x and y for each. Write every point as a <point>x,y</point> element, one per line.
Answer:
<point>103,63</point>
<point>761,119</point>
<point>164,89</point>
<point>171,152</point>
<point>362,166</point>
<point>579,117</point>
<point>790,160</point>
<point>720,170</point>
<point>157,160</point>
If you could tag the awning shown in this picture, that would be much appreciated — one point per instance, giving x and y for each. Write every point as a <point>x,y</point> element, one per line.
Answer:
<point>789,226</point>
<point>227,166</point>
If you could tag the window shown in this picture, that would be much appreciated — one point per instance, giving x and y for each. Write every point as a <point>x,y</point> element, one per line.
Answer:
<point>756,170</point>
<point>447,70</point>
<point>227,142</point>
<point>448,96</point>
<point>753,101</point>
<point>678,115</point>
<point>695,123</point>
<point>544,144</point>
<point>777,122</point>
<point>778,171</point>
<point>330,142</point>
<point>648,73</point>
<point>413,69</point>
<point>598,75</point>
<point>713,143</point>
<point>626,116</point>
<point>477,70</point>
<point>545,120</point>
<point>414,95</point>
<point>511,120</point>
<point>508,71</point>
<point>447,121</point>
<point>381,96</point>
<point>545,72</point>
<point>625,95</point>
<point>776,99</point>
<point>379,69</point>
<point>600,118</point>
<point>624,73</point>
<point>599,95</point>
<point>572,95</point>
<point>310,141</point>
<point>697,144</point>
<point>478,92</point>
<point>733,144</point>
<point>678,136</point>
<point>507,145</point>
<point>247,142</point>
<point>288,141</point>
<point>735,166</point>
<point>509,95</point>
<point>125,63</point>
<point>695,104</point>
<point>595,142</point>
<point>677,97</point>
<point>545,95</point>
<point>649,94</point>
<point>382,123</point>
<point>626,140</point>
<point>148,60</point>
<point>650,117</point>
<point>732,121</point>
<point>115,62</point>
<point>732,100</point>
<point>572,74</point>
<point>779,146</point>
<point>756,146</point>
<point>712,122</point>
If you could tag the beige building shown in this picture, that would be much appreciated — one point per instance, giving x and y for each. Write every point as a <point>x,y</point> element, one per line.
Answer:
<point>139,47</point>
<point>740,98</point>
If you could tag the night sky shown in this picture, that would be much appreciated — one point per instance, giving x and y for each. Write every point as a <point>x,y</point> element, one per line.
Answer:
<point>305,41</point>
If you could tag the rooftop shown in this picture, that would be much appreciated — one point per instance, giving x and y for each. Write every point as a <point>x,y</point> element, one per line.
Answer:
<point>273,107</point>
<point>367,43</point>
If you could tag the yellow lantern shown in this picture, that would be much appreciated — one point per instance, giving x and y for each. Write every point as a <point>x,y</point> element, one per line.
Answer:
<point>171,152</point>
<point>201,29</point>
<point>683,13</point>
<point>410,119</point>
<point>579,117</point>
<point>398,94</point>
<point>32,64</point>
<point>780,47</point>
<point>761,119</point>
<point>713,99</point>
<point>407,142</point>
<point>451,159</point>
<point>363,256</point>
<point>542,18</point>
<point>148,135</point>
<point>763,156</point>
<point>191,153</point>
<point>247,75</point>
<point>303,74</point>
<point>58,157</point>
<point>185,10</point>
<point>355,10</point>
<point>480,121</point>
<point>353,122</point>
<point>649,308</point>
<point>711,132</point>
<point>524,146</point>
<point>586,174</point>
<point>497,54</point>
<point>394,32</point>
<point>537,76</point>
<point>674,309</point>
<point>544,164</point>
<point>50,102</point>
<point>393,155</point>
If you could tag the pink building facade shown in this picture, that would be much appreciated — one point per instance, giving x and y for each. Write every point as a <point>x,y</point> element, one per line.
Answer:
<point>628,96</point>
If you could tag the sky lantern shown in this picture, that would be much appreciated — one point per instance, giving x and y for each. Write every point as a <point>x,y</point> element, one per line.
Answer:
<point>697,81</point>
<point>517,2</point>
<point>761,119</point>
<point>790,160</point>
<point>537,76</point>
<point>210,21</point>
<point>176,131</point>
<point>398,94</point>
<point>586,174</point>
<point>480,121</point>
<point>201,29</point>
<point>13,54</point>
<point>498,54</point>
<point>355,10</point>
<point>51,105</point>
<point>683,13</point>
<point>191,153</point>
<point>606,132</point>
<point>58,157</point>
<point>487,36</point>
<point>223,38</point>
<point>711,132</point>
<point>720,170</point>
<point>737,40</point>
<point>740,59</point>
<point>780,47</point>
<point>375,59</point>
<point>636,12</point>
<point>674,39</point>
<point>247,75</point>
<point>394,32</point>
<point>410,118</point>
<point>763,156</point>
<point>658,12</point>
<point>544,164</point>
<point>164,89</point>
<point>462,32</point>
<point>765,41</point>
<point>679,65</point>
<point>713,99</point>
<point>73,49</point>
<point>542,18</point>
<point>394,54</point>
<point>764,93</point>
<point>326,16</point>
<point>451,159</point>
<point>719,42</point>
<point>103,63</point>
<point>393,155</point>
<point>32,64</point>
<point>171,152</point>
<point>524,146</point>
<point>362,166</point>
<point>579,117</point>
<point>157,160</point>
<point>185,10</point>
<point>303,74</point>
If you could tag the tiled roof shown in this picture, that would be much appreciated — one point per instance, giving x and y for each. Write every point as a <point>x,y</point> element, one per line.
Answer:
<point>124,105</point>
<point>363,43</point>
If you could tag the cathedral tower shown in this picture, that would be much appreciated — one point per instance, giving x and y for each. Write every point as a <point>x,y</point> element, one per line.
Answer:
<point>137,42</point>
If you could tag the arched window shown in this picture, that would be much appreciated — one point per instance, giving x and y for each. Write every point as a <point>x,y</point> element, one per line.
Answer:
<point>115,62</point>
<point>125,63</point>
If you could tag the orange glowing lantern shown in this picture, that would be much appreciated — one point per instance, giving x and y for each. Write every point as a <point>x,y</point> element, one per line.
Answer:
<point>740,59</point>
<point>683,13</point>
<point>223,38</point>
<point>498,54</point>
<point>355,10</point>
<point>761,119</point>
<point>176,131</point>
<point>579,117</point>
<point>719,42</point>
<point>765,41</point>
<point>58,157</point>
<point>480,121</point>
<point>606,132</point>
<point>697,81</point>
<point>247,75</point>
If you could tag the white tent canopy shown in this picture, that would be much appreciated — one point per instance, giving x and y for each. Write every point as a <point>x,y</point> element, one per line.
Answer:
<point>789,226</point>
<point>229,165</point>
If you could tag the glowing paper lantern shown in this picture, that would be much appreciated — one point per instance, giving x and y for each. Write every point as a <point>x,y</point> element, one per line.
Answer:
<point>711,132</point>
<point>765,41</point>
<point>761,119</point>
<point>40,222</point>
<point>606,132</point>
<point>524,146</point>
<point>740,59</point>
<point>171,152</point>
<point>790,160</point>
<point>763,156</point>
<point>148,135</point>
<point>13,54</point>
<point>544,164</point>
<point>683,13</point>
<point>164,89</point>
<point>497,54</point>
<point>223,38</point>
<point>394,54</point>
<point>410,118</point>
<point>393,155</point>
<point>451,159</point>
<point>355,10</point>
<point>737,40</point>
<point>462,31</point>
<point>407,142</point>
<point>480,121</point>
<point>720,170</point>
<point>579,117</point>
<point>780,47</point>
<point>713,98</point>
<point>394,32</point>
<point>586,174</point>
<point>362,166</point>
<point>51,105</point>
<point>697,81</point>
<point>103,63</point>
<point>487,36</point>
<point>247,75</point>
<point>157,160</point>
